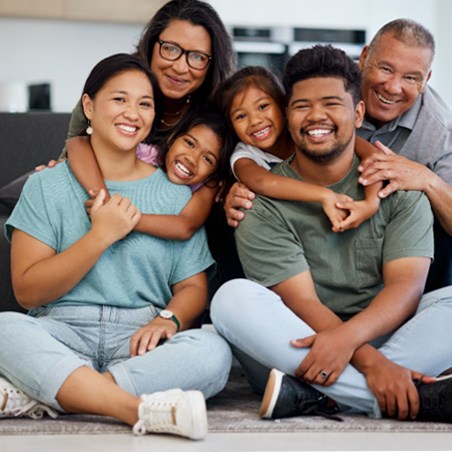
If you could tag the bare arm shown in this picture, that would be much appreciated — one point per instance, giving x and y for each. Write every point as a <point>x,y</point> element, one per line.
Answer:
<point>264,182</point>
<point>188,303</point>
<point>40,275</point>
<point>405,174</point>
<point>84,165</point>
<point>360,211</point>
<point>184,225</point>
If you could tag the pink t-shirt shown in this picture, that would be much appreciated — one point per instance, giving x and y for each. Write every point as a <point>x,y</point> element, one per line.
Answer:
<point>149,153</point>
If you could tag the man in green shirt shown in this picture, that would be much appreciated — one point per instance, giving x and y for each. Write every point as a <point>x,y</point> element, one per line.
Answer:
<point>340,315</point>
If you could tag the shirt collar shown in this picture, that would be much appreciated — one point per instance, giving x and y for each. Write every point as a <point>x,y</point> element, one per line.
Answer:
<point>406,120</point>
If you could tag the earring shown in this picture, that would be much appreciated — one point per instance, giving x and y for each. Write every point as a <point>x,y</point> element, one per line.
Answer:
<point>89,129</point>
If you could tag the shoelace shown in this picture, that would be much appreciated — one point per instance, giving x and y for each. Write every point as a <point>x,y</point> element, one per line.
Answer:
<point>163,418</point>
<point>13,406</point>
<point>313,407</point>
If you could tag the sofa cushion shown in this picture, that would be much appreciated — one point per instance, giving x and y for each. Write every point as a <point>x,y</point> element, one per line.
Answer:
<point>9,194</point>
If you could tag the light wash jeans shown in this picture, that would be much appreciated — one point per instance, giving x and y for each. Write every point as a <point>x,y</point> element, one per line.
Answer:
<point>37,354</point>
<point>257,324</point>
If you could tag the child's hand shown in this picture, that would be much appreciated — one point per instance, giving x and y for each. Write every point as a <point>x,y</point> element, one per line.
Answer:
<point>51,164</point>
<point>358,212</point>
<point>335,214</point>
<point>89,203</point>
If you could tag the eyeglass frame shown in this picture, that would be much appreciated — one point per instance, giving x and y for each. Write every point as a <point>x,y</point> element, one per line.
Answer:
<point>186,52</point>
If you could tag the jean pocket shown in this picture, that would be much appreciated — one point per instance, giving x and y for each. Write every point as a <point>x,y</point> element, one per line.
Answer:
<point>41,311</point>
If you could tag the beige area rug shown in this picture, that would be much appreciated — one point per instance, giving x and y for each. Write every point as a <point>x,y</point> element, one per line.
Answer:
<point>235,410</point>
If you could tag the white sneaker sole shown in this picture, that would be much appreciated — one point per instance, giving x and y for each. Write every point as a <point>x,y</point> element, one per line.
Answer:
<point>271,393</point>
<point>198,428</point>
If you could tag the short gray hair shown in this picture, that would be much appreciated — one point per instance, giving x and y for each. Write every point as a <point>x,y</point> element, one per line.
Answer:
<point>408,31</point>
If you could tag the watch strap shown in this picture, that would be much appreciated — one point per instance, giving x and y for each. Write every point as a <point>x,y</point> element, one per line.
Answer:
<point>176,321</point>
<point>169,315</point>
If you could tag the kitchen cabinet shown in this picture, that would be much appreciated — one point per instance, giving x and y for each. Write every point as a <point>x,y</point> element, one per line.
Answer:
<point>120,11</point>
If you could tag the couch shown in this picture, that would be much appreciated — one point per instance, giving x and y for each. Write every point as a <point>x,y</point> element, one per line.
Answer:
<point>26,140</point>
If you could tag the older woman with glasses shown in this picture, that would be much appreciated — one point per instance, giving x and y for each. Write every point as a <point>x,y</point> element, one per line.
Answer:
<point>188,48</point>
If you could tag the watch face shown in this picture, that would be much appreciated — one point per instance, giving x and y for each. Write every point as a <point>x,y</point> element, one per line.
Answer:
<point>166,314</point>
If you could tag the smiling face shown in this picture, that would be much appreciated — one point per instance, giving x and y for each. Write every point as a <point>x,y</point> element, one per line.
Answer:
<point>256,118</point>
<point>193,156</point>
<point>176,78</point>
<point>394,74</point>
<point>122,111</point>
<point>322,118</point>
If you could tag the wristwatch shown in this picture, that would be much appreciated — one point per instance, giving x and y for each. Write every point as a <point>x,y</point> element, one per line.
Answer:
<point>169,315</point>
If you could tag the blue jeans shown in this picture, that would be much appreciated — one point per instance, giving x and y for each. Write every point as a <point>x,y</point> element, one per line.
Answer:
<point>37,354</point>
<point>259,326</point>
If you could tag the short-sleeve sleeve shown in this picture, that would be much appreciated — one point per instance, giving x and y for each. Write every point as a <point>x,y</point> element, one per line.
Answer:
<point>31,214</point>
<point>193,257</point>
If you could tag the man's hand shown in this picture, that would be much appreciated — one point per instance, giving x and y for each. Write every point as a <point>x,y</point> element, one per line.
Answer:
<point>239,197</point>
<point>402,173</point>
<point>393,386</point>
<point>330,352</point>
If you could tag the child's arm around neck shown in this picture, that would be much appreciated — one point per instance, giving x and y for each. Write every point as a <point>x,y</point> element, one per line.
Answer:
<point>184,225</point>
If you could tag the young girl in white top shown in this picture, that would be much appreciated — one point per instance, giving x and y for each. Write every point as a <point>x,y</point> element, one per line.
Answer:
<point>253,102</point>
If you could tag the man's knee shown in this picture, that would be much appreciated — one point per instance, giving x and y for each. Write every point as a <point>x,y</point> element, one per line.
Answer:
<point>228,296</point>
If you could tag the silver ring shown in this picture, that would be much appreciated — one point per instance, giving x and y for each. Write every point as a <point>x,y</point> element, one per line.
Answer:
<point>324,374</point>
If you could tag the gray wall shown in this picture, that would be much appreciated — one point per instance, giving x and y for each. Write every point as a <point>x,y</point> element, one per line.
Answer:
<point>63,52</point>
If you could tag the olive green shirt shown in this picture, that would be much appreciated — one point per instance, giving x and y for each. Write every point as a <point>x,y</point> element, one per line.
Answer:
<point>280,239</point>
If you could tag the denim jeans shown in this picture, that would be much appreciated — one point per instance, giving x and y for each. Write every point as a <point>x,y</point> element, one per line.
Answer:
<point>38,353</point>
<point>257,324</point>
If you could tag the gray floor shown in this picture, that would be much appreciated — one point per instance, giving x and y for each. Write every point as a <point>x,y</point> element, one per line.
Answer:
<point>230,442</point>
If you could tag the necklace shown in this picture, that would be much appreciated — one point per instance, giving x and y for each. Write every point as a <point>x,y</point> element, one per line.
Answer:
<point>175,114</point>
<point>169,124</point>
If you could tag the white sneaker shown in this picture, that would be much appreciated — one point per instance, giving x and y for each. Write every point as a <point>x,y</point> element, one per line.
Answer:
<point>15,403</point>
<point>175,411</point>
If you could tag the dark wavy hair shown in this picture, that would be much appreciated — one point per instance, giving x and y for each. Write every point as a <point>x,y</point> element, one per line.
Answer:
<point>211,117</point>
<point>197,13</point>
<point>257,76</point>
<point>323,61</point>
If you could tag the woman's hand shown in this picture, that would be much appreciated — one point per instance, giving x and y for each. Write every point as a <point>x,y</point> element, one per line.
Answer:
<point>148,337</point>
<point>114,219</point>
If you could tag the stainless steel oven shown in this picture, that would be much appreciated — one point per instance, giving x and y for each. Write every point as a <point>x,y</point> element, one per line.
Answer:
<point>351,41</point>
<point>262,46</point>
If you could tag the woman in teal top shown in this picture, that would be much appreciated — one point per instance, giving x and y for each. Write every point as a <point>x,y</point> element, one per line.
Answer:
<point>110,308</point>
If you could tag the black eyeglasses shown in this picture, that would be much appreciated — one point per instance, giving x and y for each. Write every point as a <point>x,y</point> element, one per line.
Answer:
<point>172,52</point>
